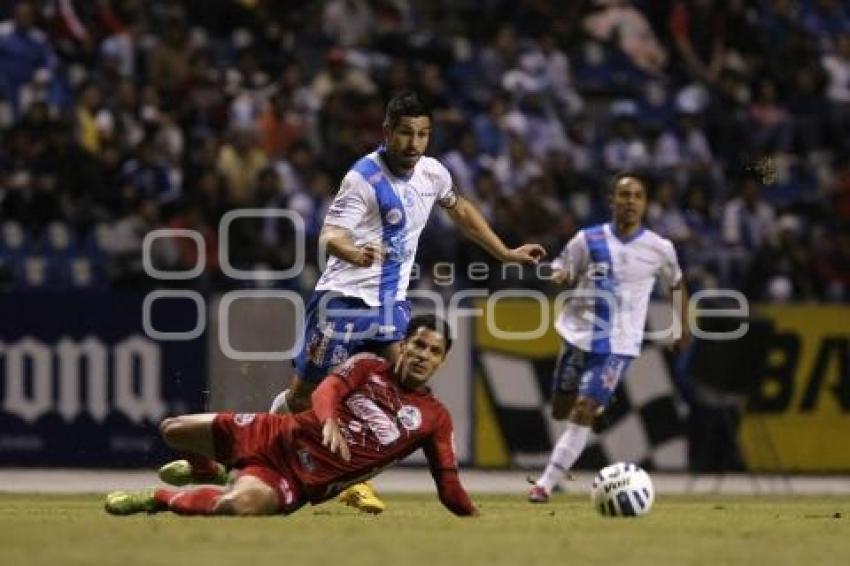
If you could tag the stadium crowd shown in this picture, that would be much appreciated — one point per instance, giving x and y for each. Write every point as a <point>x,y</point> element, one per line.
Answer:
<point>118,117</point>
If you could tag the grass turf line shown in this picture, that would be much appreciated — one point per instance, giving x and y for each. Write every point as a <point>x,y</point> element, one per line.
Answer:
<point>74,530</point>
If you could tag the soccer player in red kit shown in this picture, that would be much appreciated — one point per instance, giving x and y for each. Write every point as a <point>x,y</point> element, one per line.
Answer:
<point>366,416</point>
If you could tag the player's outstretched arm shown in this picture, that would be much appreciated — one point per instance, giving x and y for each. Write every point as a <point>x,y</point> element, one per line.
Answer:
<point>452,495</point>
<point>680,303</point>
<point>440,453</point>
<point>472,224</point>
<point>337,240</point>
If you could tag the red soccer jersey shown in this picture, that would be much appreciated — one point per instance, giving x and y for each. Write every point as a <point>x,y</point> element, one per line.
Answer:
<point>382,422</point>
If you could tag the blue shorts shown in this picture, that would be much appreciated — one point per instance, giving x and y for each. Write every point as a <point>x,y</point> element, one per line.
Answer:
<point>589,375</point>
<point>337,327</point>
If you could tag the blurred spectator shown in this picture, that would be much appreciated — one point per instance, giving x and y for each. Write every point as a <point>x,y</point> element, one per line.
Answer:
<point>338,76</point>
<point>88,130</point>
<point>281,126</point>
<point>464,163</point>
<point>625,150</point>
<point>557,75</point>
<point>239,162</point>
<point>126,116</point>
<point>830,264</point>
<point>703,230</point>
<point>664,215</point>
<point>499,56</point>
<point>348,22</point>
<point>780,271</point>
<point>618,21</point>
<point>771,121</point>
<point>698,29</point>
<point>147,176</point>
<point>490,128</point>
<point>748,223</point>
<point>169,60</point>
<point>837,67</point>
<point>24,49</point>
<point>826,19</point>
<point>515,168</point>
<point>123,49</point>
<point>190,216</point>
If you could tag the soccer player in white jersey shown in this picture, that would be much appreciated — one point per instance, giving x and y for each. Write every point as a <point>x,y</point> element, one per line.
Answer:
<point>371,233</point>
<point>613,268</point>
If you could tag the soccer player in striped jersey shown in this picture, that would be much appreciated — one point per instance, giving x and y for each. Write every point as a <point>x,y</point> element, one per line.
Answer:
<point>613,268</point>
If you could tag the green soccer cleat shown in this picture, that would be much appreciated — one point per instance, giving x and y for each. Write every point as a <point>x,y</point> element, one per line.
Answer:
<point>130,502</point>
<point>179,473</point>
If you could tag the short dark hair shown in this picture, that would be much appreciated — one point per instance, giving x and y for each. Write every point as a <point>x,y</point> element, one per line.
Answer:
<point>405,103</point>
<point>639,177</point>
<point>431,322</point>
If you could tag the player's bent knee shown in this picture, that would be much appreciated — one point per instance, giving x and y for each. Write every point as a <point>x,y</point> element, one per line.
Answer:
<point>562,404</point>
<point>299,397</point>
<point>583,411</point>
<point>169,429</point>
<point>299,403</point>
<point>247,502</point>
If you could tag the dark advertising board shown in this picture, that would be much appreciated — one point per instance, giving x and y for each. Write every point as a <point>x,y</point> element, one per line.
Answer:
<point>81,384</point>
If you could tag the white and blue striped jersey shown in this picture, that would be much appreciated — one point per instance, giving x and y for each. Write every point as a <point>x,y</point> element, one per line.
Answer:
<point>614,280</point>
<point>377,206</point>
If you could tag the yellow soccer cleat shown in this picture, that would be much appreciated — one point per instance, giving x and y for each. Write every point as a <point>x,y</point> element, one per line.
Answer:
<point>363,497</point>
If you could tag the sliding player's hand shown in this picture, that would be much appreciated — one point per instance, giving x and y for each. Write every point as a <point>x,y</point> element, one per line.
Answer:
<point>528,254</point>
<point>333,439</point>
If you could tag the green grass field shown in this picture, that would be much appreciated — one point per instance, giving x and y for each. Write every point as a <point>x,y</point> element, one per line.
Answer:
<point>69,530</point>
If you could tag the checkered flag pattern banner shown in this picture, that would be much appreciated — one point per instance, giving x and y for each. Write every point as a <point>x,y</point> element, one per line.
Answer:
<point>644,422</point>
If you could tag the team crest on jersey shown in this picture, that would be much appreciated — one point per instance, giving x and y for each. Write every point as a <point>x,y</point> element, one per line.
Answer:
<point>409,200</point>
<point>244,419</point>
<point>598,270</point>
<point>611,375</point>
<point>394,216</point>
<point>410,417</point>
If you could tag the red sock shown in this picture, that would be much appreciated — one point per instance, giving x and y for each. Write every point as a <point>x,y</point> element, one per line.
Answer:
<point>162,496</point>
<point>203,469</point>
<point>198,501</point>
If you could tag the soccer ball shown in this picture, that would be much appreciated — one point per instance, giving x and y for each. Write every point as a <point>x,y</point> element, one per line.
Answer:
<point>622,490</point>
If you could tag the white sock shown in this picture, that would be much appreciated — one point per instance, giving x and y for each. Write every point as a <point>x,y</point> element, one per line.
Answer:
<point>567,450</point>
<point>280,405</point>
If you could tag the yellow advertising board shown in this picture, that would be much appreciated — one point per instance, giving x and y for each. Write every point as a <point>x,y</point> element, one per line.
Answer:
<point>802,419</point>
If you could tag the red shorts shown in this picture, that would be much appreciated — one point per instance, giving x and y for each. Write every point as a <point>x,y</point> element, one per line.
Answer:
<point>253,444</point>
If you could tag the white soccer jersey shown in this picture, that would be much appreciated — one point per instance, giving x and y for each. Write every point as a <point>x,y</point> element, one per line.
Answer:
<point>614,279</point>
<point>376,206</point>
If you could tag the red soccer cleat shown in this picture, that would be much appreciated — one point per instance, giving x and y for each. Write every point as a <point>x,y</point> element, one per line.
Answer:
<point>538,494</point>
